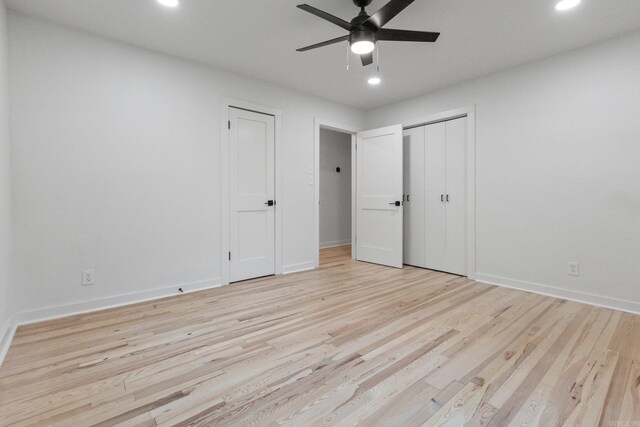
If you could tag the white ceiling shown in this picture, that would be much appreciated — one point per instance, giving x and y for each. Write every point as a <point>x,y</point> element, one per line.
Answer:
<point>258,38</point>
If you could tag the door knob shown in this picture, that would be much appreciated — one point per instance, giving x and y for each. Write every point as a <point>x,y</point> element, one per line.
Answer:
<point>270,202</point>
<point>396,203</point>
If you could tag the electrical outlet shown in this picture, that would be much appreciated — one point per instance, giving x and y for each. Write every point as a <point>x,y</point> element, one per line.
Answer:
<point>573,269</point>
<point>88,277</point>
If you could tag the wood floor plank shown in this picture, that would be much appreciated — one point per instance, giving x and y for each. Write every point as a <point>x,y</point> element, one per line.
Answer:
<point>351,343</point>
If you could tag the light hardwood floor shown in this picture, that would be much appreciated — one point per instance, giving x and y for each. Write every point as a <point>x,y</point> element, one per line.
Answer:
<point>350,343</point>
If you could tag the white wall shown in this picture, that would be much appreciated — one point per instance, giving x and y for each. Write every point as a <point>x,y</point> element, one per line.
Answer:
<point>6,292</point>
<point>6,309</point>
<point>558,170</point>
<point>116,165</point>
<point>335,188</point>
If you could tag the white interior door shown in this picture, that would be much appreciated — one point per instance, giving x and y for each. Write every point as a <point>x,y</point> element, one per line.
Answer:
<point>435,196</point>
<point>252,187</point>
<point>414,221</point>
<point>455,198</point>
<point>379,196</point>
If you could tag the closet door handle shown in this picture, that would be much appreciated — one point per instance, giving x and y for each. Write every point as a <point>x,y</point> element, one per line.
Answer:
<point>442,197</point>
<point>447,198</point>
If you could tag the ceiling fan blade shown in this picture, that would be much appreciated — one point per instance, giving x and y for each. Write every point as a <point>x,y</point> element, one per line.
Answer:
<point>367,59</point>
<point>406,35</point>
<point>325,43</point>
<point>387,13</point>
<point>326,16</point>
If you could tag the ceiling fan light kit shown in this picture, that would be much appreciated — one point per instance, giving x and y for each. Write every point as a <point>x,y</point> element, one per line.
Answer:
<point>366,30</point>
<point>362,42</point>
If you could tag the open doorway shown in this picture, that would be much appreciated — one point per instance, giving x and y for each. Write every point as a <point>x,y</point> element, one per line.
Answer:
<point>334,189</point>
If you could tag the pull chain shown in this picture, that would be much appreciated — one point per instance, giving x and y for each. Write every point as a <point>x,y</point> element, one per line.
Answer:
<point>348,56</point>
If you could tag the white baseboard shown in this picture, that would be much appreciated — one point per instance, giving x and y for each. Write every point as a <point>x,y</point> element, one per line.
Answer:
<point>334,244</point>
<point>6,336</point>
<point>50,313</point>
<point>8,329</point>
<point>553,291</point>
<point>296,268</point>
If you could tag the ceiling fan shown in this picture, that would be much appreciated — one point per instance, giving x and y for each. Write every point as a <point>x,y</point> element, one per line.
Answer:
<point>365,30</point>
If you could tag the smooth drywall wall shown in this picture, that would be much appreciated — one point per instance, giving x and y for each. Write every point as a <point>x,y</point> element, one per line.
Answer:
<point>335,188</point>
<point>116,165</point>
<point>558,175</point>
<point>5,188</point>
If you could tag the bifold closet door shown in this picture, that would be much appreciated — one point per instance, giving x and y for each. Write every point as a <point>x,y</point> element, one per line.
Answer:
<point>414,221</point>
<point>435,197</point>
<point>455,199</point>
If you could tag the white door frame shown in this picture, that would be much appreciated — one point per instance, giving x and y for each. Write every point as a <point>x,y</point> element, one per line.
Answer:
<point>225,223</point>
<point>327,124</point>
<point>470,113</point>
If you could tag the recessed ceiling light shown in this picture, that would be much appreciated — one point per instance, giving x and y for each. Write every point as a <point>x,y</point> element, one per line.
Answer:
<point>374,81</point>
<point>567,4</point>
<point>169,3</point>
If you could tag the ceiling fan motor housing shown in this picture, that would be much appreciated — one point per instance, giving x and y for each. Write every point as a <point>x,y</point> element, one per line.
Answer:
<point>362,3</point>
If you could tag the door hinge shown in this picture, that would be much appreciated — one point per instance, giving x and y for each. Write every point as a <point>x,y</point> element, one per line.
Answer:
<point>229,124</point>
<point>229,256</point>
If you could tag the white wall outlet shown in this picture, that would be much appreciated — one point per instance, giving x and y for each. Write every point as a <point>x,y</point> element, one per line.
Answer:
<point>88,277</point>
<point>573,269</point>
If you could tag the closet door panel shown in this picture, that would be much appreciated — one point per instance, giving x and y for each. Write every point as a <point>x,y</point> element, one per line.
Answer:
<point>435,190</point>
<point>414,220</point>
<point>456,133</point>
